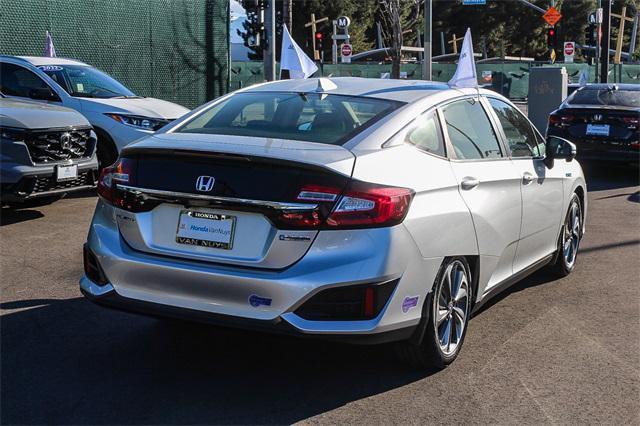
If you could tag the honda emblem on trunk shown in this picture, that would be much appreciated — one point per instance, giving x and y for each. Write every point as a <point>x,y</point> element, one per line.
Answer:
<point>597,117</point>
<point>205,183</point>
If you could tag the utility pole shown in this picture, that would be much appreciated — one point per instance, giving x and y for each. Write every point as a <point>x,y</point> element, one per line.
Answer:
<point>270,52</point>
<point>606,41</point>
<point>427,66</point>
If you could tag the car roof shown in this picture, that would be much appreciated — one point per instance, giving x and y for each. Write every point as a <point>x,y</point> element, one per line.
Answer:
<point>43,60</point>
<point>611,86</point>
<point>398,90</point>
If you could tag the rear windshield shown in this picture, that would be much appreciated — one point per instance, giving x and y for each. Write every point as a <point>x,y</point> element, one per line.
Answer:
<point>627,98</point>
<point>310,117</point>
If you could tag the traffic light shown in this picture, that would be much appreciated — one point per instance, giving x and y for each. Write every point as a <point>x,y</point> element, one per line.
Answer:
<point>319,38</point>
<point>552,39</point>
<point>590,35</point>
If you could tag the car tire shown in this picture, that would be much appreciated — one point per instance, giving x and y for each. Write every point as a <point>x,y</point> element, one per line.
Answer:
<point>106,150</point>
<point>444,318</point>
<point>569,239</point>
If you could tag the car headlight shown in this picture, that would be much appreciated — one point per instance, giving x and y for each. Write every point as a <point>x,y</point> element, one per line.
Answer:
<point>11,134</point>
<point>144,123</point>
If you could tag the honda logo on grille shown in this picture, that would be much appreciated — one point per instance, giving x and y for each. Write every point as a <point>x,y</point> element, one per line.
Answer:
<point>205,183</point>
<point>597,117</point>
<point>65,141</point>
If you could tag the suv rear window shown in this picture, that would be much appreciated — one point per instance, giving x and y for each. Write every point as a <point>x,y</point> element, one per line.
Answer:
<point>627,98</point>
<point>309,117</point>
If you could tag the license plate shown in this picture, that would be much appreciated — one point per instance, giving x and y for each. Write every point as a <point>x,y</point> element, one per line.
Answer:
<point>67,172</point>
<point>206,229</point>
<point>598,129</point>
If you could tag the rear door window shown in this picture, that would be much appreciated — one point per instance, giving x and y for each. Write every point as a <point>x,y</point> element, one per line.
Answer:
<point>470,132</point>
<point>426,135</point>
<point>311,117</point>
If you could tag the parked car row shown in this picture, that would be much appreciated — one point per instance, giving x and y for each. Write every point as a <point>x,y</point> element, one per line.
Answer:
<point>48,149</point>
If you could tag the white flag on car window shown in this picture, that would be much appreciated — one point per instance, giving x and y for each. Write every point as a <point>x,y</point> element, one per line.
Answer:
<point>294,59</point>
<point>49,50</point>
<point>465,75</point>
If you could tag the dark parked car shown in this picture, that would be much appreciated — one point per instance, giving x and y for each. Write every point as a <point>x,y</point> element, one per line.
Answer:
<point>603,120</point>
<point>46,152</point>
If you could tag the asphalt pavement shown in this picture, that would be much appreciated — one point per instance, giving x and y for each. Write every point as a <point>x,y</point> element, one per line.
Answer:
<point>550,351</point>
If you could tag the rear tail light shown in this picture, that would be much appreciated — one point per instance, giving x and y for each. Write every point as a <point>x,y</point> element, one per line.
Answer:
<point>361,205</point>
<point>122,171</point>
<point>559,120</point>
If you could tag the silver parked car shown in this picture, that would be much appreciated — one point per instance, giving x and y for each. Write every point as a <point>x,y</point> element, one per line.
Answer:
<point>357,209</point>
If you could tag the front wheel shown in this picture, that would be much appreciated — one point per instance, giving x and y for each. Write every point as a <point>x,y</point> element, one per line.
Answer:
<point>447,314</point>
<point>569,241</point>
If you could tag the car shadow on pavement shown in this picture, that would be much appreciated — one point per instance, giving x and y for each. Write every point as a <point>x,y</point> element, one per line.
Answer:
<point>70,362</point>
<point>9,216</point>
<point>605,176</point>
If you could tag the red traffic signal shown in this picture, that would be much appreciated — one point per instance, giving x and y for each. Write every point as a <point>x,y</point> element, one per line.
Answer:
<point>319,38</point>
<point>551,38</point>
<point>318,35</point>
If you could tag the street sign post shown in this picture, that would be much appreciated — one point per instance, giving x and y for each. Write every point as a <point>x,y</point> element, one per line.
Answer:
<point>569,51</point>
<point>552,16</point>
<point>345,53</point>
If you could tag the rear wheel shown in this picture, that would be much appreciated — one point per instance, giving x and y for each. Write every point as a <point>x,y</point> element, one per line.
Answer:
<point>569,241</point>
<point>445,315</point>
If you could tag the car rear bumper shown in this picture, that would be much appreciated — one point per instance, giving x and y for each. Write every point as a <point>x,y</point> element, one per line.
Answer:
<point>163,285</point>
<point>107,297</point>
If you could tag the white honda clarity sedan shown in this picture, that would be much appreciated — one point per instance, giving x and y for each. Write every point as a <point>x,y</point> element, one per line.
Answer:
<point>355,209</point>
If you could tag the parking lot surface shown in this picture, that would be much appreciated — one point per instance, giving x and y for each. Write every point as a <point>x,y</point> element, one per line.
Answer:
<point>551,351</point>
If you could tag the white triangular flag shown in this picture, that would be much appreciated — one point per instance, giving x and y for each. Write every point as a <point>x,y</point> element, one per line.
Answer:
<point>465,75</point>
<point>583,79</point>
<point>49,50</point>
<point>293,58</point>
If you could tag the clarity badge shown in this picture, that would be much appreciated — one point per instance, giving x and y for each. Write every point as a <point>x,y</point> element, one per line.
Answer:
<point>409,302</point>
<point>256,301</point>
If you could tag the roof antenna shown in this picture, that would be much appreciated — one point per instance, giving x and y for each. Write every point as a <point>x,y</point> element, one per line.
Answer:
<point>324,84</point>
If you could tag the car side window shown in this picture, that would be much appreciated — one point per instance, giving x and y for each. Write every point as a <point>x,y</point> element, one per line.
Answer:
<point>425,134</point>
<point>19,81</point>
<point>520,135</point>
<point>470,131</point>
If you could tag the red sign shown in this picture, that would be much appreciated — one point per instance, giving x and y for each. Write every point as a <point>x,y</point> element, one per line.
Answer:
<point>552,16</point>
<point>345,49</point>
<point>569,48</point>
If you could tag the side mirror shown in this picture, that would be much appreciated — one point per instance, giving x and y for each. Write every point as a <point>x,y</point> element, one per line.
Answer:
<point>559,148</point>
<point>43,94</point>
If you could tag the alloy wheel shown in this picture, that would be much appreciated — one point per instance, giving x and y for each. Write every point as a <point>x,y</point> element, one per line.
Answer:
<point>451,307</point>
<point>571,235</point>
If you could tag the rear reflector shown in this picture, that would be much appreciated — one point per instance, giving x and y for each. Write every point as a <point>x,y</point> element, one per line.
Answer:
<point>348,303</point>
<point>92,268</point>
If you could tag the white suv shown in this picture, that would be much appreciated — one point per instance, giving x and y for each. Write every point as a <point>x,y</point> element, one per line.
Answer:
<point>117,114</point>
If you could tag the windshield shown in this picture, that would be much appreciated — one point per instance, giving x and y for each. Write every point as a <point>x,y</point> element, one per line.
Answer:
<point>627,98</point>
<point>86,82</point>
<point>310,117</point>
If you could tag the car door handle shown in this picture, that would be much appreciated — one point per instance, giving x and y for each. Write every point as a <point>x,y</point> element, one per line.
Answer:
<point>469,183</point>
<point>527,178</point>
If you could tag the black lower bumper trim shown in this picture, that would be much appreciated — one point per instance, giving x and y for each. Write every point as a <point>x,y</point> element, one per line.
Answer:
<point>115,301</point>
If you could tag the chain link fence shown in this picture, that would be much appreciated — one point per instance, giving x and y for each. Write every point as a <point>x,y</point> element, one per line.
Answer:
<point>177,50</point>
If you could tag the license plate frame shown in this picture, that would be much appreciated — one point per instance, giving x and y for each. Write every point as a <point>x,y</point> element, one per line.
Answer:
<point>216,224</point>
<point>598,129</point>
<point>66,172</point>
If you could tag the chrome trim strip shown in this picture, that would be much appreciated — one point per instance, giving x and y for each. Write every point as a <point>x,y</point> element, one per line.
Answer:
<point>164,195</point>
